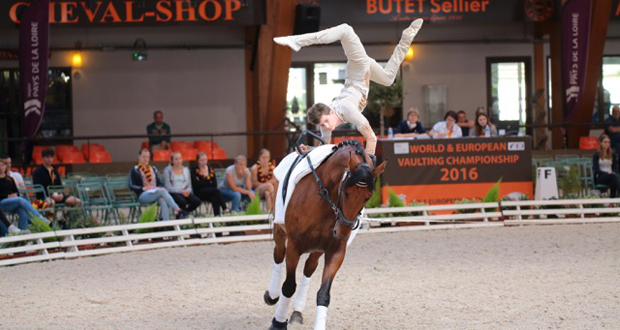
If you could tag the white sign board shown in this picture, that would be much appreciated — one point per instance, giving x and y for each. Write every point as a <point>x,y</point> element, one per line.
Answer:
<point>546,184</point>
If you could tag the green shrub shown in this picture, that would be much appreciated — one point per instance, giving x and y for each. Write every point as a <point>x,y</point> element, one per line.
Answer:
<point>254,207</point>
<point>375,199</point>
<point>570,184</point>
<point>492,196</point>
<point>467,201</point>
<point>149,215</point>
<point>394,200</point>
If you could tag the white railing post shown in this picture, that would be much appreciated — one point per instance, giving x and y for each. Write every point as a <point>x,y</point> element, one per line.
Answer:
<point>126,234</point>
<point>519,212</point>
<point>581,210</point>
<point>72,248</point>
<point>426,221</point>
<point>178,229</point>
<point>44,250</point>
<point>484,213</point>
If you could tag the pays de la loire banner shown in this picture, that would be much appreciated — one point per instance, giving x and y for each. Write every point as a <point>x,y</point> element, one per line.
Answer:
<point>441,171</point>
<point>156,12</point>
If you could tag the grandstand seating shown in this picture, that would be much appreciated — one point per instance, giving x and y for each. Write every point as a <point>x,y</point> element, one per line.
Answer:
<point>161,155</point>
<point>219,154</point>
<point>100,157</point>
<point>72,157</point>
<point>180,145</point>
<point>188,154</point>
<point>89,148</point>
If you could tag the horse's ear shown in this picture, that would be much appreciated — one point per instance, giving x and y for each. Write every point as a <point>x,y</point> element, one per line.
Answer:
<point>379,169</point>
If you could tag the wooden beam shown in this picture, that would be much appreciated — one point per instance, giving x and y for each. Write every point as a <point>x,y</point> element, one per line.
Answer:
<point>269,79</point>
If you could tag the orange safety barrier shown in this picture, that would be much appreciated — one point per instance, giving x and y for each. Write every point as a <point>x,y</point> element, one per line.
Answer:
<point>100,157</point>
<point>188,154</point>
<point>161,155</point>
<point>73,157</point>
<point>588,142</point>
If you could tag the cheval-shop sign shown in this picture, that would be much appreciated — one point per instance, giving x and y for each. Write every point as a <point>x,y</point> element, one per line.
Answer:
<point>111,12</point>
<point>441,171</point>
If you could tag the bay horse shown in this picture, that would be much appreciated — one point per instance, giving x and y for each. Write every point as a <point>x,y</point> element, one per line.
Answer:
<point>319,225</point>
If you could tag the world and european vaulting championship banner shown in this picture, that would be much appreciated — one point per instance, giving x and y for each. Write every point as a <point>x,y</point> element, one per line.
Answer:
<point>33,58</point>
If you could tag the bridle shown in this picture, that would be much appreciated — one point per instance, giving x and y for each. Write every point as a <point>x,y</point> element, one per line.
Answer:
<point>324,193</point>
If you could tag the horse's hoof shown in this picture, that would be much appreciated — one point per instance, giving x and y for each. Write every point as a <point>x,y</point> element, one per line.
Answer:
<point>268,299</point>
<point>296,317</point>
<point>275,325</point>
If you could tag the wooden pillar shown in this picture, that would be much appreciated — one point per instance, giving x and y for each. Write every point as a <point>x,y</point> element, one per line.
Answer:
<point>594,66</point>
<point>267,66</point>
<point>557,104</point>
<point>539,103</point>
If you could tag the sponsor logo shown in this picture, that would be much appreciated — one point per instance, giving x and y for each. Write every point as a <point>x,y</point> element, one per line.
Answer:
<point>401,148</point>
<point>32,106</point>
<point>516,146</point>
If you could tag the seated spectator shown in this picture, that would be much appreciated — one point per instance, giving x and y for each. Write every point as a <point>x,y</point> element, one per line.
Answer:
<point>237,183</point>
<point>204,184</point>
<point>47,175</point>
<point>447,128</point>
<point>605,166</point>
<point>484,127</point>
<point>263,179</point>
<point>6,226</point>
<point>612,127</point>
<point>179,184</point>
<point>411,127</point>
<point>19,180</point>
<point>464,123</point>
<point>158,127</point>
<point>144,181</point>
<point>11,202</point>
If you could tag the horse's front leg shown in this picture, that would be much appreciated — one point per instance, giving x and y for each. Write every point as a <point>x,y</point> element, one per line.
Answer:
<point>272,295</point>
<point>333,261</point>
<point>300,300</point>
<point>288,288</point>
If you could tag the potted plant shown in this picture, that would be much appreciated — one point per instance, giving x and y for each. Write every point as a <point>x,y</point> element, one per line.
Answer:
<point>383,100</point>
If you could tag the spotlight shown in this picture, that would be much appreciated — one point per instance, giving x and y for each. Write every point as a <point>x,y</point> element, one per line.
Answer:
<point>409,55</point>
<point>76,60</point>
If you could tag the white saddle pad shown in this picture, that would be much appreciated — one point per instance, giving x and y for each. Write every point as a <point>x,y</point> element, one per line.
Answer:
<point>317,156</point>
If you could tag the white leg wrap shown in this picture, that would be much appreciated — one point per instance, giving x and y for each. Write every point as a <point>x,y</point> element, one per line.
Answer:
<point>302,293</point>
<point>275,285</point>
<point>321,318</point>
<point>282,310</point>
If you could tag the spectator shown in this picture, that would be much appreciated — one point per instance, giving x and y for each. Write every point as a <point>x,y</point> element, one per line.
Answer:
<point>237,183</point>
<point>6,225</point>
<point>464,123</point>
<point>204,184</point>
<point>179,184</point>
<point>47,175</point>
<point>612,127</point>
<point>447,128</point>
<point>411,127</point>
<point>263,178</point>
<point>144,181</point>
<point>158,127</point>
<point>19,180</point>
<point>482,124</point>
<point>605,166</point>
<point>11,202</point>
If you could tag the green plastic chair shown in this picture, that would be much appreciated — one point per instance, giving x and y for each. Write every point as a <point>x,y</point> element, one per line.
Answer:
<point>95,201</point>
<point>122,197</point>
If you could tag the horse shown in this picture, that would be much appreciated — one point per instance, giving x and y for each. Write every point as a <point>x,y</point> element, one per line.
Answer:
<point>319,223</point>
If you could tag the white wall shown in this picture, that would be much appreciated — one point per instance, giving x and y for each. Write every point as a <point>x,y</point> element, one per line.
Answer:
<point>199,91</point>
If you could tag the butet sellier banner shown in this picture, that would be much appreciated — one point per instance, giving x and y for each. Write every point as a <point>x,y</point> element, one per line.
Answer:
<point>156,12</point>
<point>445,170</point>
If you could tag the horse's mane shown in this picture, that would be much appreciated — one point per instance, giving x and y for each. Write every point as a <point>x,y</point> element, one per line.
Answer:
<point>362,174</point>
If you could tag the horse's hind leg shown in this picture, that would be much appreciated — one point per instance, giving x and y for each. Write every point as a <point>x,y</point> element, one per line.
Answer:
<point>300,299</point>
<point>272,295</point>
<point>288,288</point>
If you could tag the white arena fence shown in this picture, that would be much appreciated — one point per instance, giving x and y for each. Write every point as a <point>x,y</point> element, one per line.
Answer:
<point>75,243</point>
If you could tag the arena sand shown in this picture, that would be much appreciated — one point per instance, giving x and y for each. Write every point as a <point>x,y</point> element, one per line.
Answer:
<point>551,277</point>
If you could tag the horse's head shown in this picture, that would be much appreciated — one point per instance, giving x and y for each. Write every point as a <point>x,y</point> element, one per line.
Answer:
<point>356,187</point>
